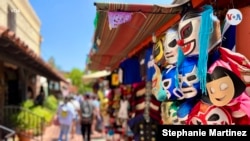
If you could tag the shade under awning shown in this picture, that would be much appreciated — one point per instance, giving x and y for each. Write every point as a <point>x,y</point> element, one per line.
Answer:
<point>17,52</point>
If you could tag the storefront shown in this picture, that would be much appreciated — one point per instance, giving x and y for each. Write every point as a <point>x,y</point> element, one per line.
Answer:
<point>159,59</point>
<point>19,69</point>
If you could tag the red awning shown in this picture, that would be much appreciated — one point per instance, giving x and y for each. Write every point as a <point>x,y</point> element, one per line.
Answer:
<point>131,37</point>
<point>18,53</point>
<point>117,43</point>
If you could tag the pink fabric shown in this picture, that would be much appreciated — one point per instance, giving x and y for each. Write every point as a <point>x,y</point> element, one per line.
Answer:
<point>243,99</point>
<point>244,104</point>
<point>117,18</point>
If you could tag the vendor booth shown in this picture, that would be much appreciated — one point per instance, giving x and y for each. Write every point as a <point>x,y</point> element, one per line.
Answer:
<point>178,64</point>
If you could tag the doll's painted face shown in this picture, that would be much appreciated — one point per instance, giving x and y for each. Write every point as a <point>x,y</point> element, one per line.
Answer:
<point>211,115</point>
<point>168,81</point>
<point>221,91</point>
<point>188,78</point>
<point>223,85</point>
<point>170,46</point>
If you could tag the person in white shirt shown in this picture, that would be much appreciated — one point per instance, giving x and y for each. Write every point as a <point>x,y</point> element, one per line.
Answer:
<point>76,104</point>
<point>66,114</point>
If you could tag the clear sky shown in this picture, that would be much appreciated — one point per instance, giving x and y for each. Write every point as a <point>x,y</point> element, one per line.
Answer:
<point>67,28</point>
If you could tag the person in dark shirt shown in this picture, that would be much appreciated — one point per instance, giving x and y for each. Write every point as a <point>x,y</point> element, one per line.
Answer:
<point>40,98</point>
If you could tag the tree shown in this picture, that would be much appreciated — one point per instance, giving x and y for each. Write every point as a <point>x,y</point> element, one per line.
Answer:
<point>76,78</point>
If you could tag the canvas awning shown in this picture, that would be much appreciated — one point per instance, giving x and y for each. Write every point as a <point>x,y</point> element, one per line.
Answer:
<point>87,78</point>
<point>13,49</point>
<point>128,38</point>
<point>97,74</point>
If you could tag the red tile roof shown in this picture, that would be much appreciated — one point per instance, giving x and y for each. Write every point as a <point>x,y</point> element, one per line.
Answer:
<point>13,48</point>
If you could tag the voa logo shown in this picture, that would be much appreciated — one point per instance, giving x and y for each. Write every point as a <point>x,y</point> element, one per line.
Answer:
<point>233,16</point>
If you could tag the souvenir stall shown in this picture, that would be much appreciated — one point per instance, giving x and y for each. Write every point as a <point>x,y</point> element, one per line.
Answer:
<point>190,74</point>
<point>113,50</point>
<point>202,80</point>
<point>132,105</point>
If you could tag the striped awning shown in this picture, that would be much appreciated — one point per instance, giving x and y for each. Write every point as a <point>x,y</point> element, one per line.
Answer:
<point>117,43</point>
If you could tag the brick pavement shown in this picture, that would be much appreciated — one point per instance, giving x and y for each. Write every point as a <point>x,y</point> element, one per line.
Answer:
<point>52,132</point>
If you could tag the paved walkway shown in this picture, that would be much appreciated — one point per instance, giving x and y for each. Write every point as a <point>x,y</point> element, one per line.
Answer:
<point>52,132</point>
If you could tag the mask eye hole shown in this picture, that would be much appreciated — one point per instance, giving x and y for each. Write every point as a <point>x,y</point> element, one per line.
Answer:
<point>166,83</point>
<point>214,117</point>
<point>192,77</point>
<point>157,48</point>
<point>187,30</point>
<point>173,43</point>
<point>176,120</point>
<point>198,122</point>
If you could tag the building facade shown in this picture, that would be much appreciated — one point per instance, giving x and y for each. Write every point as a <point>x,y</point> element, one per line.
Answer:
<point>21,66</point>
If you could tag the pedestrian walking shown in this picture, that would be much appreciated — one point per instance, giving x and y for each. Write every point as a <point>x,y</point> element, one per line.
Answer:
<point>76,104</point>
<point>87,114</point>
<point>66,114</point>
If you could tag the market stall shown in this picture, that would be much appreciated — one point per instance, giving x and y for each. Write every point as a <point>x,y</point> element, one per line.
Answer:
<point>172,65</point>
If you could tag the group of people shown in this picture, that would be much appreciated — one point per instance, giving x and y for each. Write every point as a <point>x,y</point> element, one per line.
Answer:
<point>79,112</point>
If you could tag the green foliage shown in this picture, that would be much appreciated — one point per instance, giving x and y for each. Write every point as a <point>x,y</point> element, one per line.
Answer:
<point>76,76</point>
<point>51,103</point>
<point>27,120</point>
<point>43,112</point>
<point>28,104</point>
<point>35,117</point>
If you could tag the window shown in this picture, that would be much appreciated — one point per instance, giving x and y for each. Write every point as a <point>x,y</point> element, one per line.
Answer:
<point>11,19</point>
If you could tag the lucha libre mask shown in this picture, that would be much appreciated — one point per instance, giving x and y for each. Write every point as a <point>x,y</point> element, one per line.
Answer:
<point>206,114</point>
<point>172,112</point>
<point>189,30</point>
<point>168,81</point>
<point>171,46</point>
<point>188,79</point>
<point>158,52</point>
<point>157,86</point>
<point>165,106</point>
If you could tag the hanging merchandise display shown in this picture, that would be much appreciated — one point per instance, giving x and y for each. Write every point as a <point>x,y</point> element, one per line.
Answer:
<point>130,75</point>
<point>201,83</point>
<point>147,113</point>
<point>170,45</point>
<point>158,51</point>
<point>185,73</point>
